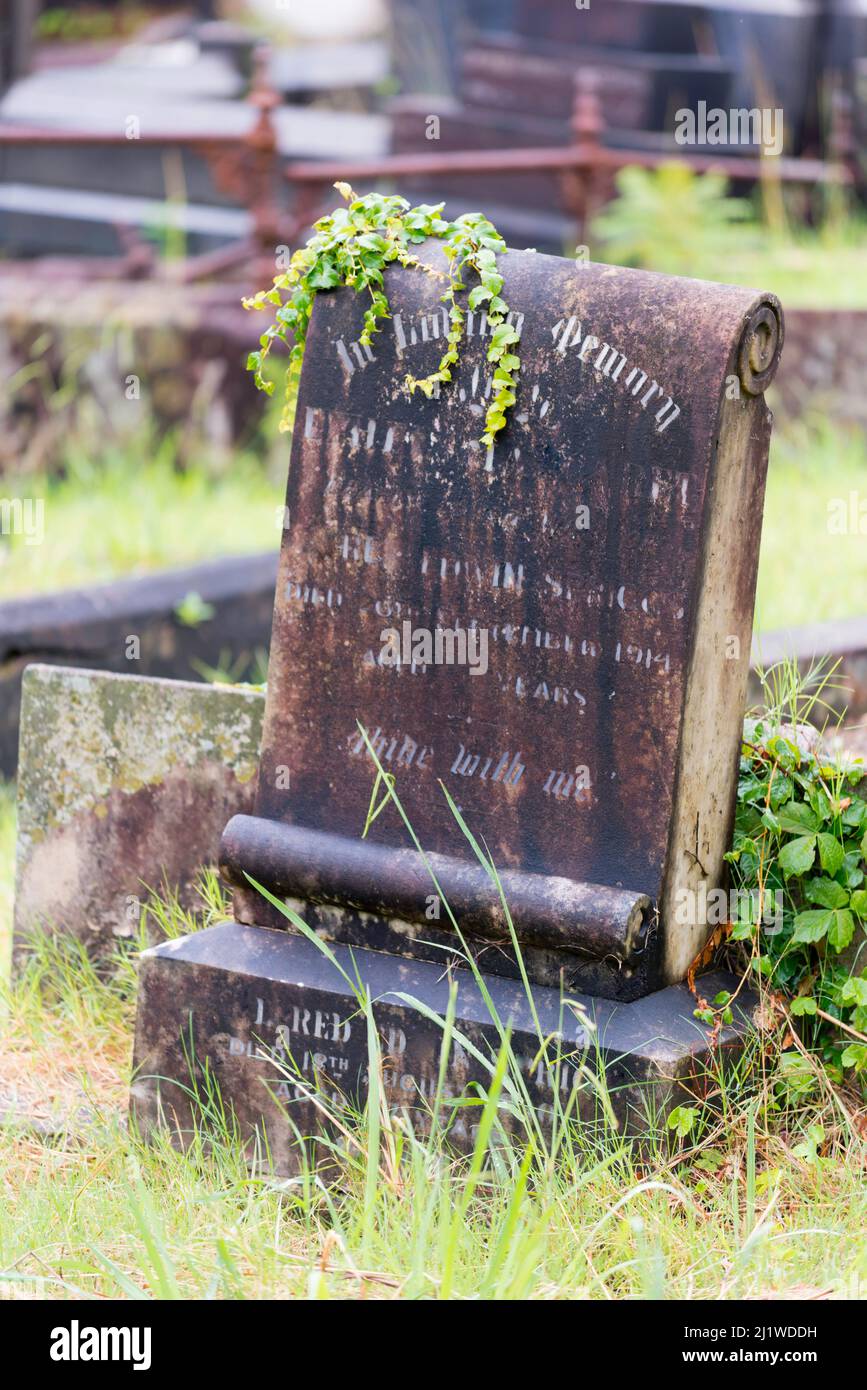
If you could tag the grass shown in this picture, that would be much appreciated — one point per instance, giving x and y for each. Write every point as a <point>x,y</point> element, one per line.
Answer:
<point>747,1206</point>
<point>804,271</point>
<point>761,1196</point>
<point>131,513</point>
<point>7,870</point>
<point>807,573</point>
<point>680,223</point>
<point>135,512</point>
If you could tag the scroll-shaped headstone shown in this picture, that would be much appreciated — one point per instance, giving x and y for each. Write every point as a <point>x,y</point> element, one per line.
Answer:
<point>595,571</point>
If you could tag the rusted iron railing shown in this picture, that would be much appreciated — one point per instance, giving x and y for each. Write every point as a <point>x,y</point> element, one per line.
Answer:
<point>584,166</point>
<point>249,169</point>
<point>245,167</point>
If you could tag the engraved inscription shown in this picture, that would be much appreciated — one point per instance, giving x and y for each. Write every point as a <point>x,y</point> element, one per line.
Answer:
<point>610,362</point>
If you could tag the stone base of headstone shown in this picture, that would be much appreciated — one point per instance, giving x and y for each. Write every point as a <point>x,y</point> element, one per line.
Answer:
<point>267,1021</point>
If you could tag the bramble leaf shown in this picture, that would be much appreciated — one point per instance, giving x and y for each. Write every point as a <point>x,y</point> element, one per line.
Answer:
<point>796,818</point>
<point>841,930</point>
<point>855,1055</point>
<point>830,853</point>
<point>826,892</point>
<point>858,902</point>
<point>812,925</point>
<point>797,856</point>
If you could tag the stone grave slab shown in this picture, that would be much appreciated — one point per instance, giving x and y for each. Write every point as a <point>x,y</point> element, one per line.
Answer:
<point>255,1028</point>
<point>605,555</point>
<point>91,628</point>
<point>124,782</point>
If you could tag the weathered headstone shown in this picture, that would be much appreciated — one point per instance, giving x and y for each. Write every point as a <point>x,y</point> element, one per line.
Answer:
<point>600,563</point>
<point>124,785</point>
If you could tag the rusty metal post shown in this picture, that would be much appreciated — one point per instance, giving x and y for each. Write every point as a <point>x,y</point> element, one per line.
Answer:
<point>262,145</point>
<point>580,183</point>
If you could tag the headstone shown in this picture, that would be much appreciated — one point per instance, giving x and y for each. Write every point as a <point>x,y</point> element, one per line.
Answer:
<point>599,565</point>
<point>124,786</point>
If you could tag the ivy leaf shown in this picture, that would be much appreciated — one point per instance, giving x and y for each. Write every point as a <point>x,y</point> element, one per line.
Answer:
<point>478,296</point>
<point>372,241</point>
<point>830,854</point>
<point>796,856</point>
<point>503,336</point>
<point>323,276</point>
<point>351,246</point>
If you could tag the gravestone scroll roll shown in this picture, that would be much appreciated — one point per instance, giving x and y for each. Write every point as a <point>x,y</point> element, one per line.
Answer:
<point>556,630</point>
<point>547,911</point>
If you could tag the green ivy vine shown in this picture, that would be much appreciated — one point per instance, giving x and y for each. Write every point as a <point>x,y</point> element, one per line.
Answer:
<point>352,246</point>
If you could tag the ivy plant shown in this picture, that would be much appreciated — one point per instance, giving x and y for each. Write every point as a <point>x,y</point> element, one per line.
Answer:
<point>801,833</point>
<point>352,246</point>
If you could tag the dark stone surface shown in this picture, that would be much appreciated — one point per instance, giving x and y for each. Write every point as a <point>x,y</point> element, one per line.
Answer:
<point>90,627</point>
<point>842,644</point>
<point>253,1003</point>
